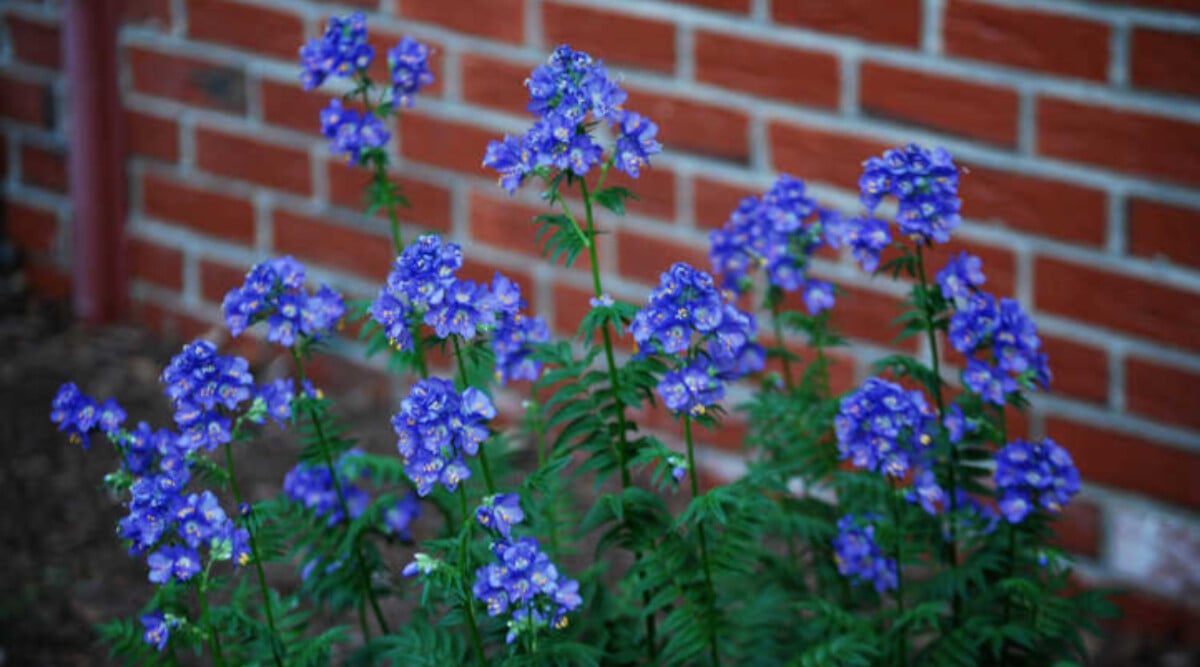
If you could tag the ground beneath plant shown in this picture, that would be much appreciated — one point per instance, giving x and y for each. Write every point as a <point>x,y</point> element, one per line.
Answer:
<point>63,570</point>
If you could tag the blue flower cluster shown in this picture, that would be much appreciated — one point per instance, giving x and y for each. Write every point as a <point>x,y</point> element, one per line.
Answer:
<point>79,415</point>
<point>500,513</point>
<point>398,519</point>
<point>569,94</point>
<point>277,397</point>
<point>524,583</point>
<point>311,485</point>
<point>199,382</point>
<point>885,428</point>
<point>684,304</point>
<point>274,291</point>
<point>350,132</point>
<point>515,335</point>
<point>1034,474</point>
<point>779,231</point>
<point>424,286</point>
<point>925,185</point>
<point>436,427</point>
<point>341,51</point>
<point>858,555</point>
<point>156,629</point>
<point>982,324</point>
<point>408,62</point>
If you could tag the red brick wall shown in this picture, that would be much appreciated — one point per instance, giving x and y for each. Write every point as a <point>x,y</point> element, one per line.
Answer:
<point>1078,123</point>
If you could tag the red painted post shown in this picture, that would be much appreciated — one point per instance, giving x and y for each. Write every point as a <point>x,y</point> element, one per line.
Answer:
<point>96,164</point>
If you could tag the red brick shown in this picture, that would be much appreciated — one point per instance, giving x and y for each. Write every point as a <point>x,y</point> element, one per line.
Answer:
<point>1157,229</point>
<point>249,159</point>
<point>1150,616</point>
<point>430,203</point>
<point>867,315</point>
<point>497,84</point>
<point>156,264</point>
<point>151,136</point>
<point>715,201</point>
<point>785,73</point>
<point>643,258</point>
<point>48,280</point>
<point>3,157</point>
<point>820,155</point>
<point>1178,5</point>
<point>1163,393</point>
<point>207,212</point>
<point>26,101</point>
<point>694,127</point>
<point>503,223</point>
<point>289,106</point>
<point>35,42</point>
<point>1034,205</point>
<point>984,112</point>
<point>1026,38</point>
<point>1077,370</point>
<point>611,37</point>
<point>502,20</point>
<point>1135,306</point>
<point>179,326</point>
<point>1165,60</point>
<point>44,167</point>
<point>246,27</point>
<point>153,12</point>
<point>1129,462</point>
<point>483,272</point>
<point>1079,528</point>
<point>1128,141</point>
<point>188,80</point>
<point>655,191</point>
<point>368,254</point>
<point>445,143</point>
<point>31,229</point>
<point>894,22</point>
<point>217,279</point>
<point>735,6</point>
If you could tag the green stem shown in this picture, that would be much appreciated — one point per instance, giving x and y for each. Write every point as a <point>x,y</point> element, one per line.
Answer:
<point>1012,571</point>
<point>483,459</point>
<point>380,175</point>
<point>710,592</point>
<point>341,496</point>
<point>250,529</point>
<point>950,554</point>
<point>894,501</point>
<point>464,545</point>
<point>615,387</point>
<point>788,379</point>
<point>214,640</point>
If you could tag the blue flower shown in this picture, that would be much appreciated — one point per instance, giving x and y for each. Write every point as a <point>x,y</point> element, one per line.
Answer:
<point>312,486</point>
<point>884,428</point>
<point>174,562</point>
<point>515,335</point>
<point>866,237</point>
<point>341,51</point>
<point>957,425</point>
<point>75,413</point>
<point>780,232</point>
<point>419,282</point>
<point>1034,474</point>
<point>274,291</point>
<point>693,389</point>
<point>398,518</point>
<point>277,398</point>
<point>350,132</point>
<point>408,63</point>
<point>569,95</point>
<point>466,308</point>
<point>926,492</point>
<point>526,583</point>
<point>436,427</point>
<point>925,184</point>
<point>199,518</point>
<point>199,381</point>
<point>859,557</point>
<point>500,513</point>
<point>961,278</point>
<point>156,631</point>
